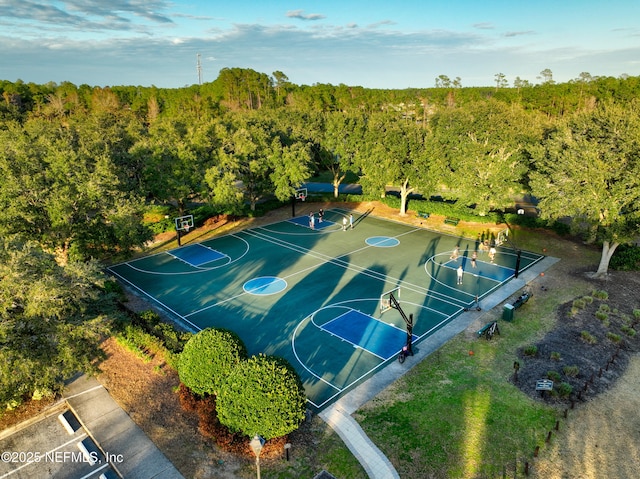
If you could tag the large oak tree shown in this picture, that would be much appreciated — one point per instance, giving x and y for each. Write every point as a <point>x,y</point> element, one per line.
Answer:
<point>588,169</point>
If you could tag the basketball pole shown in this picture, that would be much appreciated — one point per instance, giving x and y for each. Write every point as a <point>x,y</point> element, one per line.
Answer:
<point>293,206</point>
<point>508,239</point>
<point>409,321</point>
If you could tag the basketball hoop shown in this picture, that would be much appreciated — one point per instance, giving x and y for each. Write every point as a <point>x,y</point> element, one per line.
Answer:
<point>389,300</point>
<point>301,194</point>
<point>385,305</point>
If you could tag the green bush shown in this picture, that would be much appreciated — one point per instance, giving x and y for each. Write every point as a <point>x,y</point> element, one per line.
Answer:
<point>264,396</point>
<point>443,208</point>
<point>564,390</point>
<point>147,318</point>
<point>560,228</point>
<point>600,294</point>
<point>626,258</point>
<point>112,286</point>
<point>555,356</point>
<point>159,218</point>
<point>208,358</point>
<point>629,331</point>
<point>138,341</point>
<point>531,350</point>
<point>172,338</point>
<point>204,212</point>
<point>579,303</point>
<point>571,371</point>
<point>588,338</point>
<point>601,315</point>
<point>615,338</point>
<point>554,376</point>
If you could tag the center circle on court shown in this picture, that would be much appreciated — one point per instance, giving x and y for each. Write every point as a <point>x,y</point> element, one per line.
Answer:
<point>264,285</point>
<point>382,241</point>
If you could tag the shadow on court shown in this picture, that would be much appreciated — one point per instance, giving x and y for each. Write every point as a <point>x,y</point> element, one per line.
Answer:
<point>280,286</point>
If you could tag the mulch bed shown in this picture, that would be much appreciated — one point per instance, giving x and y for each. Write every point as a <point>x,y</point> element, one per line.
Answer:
<point>601,362</point>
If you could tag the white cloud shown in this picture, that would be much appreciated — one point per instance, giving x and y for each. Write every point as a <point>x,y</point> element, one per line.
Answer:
<point>300,15</point>
<point>484,26</point>
<point>519,34</point>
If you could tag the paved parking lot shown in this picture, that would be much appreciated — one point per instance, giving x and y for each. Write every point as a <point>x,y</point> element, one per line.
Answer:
<point>88,436</point>
<point>47,449</point>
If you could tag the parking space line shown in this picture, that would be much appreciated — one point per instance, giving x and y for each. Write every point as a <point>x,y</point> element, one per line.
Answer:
<point>75,439</point>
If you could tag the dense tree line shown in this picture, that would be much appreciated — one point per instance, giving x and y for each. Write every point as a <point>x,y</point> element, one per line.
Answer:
<point>79,165</point>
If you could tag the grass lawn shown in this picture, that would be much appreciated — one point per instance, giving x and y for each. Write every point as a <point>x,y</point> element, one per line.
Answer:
<point>457,414</point>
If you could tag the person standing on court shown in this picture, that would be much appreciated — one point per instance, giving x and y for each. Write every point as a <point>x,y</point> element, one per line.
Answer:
<point>320,215</point>
<point>460,272</point>
<point>351,221</point>
<point>344,223</point>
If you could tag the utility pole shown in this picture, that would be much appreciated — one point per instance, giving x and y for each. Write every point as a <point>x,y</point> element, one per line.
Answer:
<point>199,68</point>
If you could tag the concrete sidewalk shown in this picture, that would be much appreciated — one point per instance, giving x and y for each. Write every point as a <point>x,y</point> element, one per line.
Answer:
<point>134,455</point>
<point>339,414</point>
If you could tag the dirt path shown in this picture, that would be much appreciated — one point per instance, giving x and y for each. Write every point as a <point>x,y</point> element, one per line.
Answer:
<point>601,439</point>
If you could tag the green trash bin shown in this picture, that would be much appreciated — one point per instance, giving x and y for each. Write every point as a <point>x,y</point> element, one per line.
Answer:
<point>507,312</point>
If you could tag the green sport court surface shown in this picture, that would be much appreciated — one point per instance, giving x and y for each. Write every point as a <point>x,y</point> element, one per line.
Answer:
<point>312,295</point>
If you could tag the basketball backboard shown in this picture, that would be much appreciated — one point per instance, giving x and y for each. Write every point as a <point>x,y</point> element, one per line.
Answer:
<point>389,299</point>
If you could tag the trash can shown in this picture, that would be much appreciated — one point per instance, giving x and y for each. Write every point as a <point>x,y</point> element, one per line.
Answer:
<point>507,312</point>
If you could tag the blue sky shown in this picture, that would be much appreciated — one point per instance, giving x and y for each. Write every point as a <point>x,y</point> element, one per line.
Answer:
<point>375,44</point>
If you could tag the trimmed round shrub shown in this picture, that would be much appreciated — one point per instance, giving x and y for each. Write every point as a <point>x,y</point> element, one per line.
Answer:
<point>208,358</point>
<point>264,396</point>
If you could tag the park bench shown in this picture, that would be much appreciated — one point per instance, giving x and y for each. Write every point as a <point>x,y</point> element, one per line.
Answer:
<point>523,298</point>
<point>421,214</point>
<point>488,330</point>
<point>449,220</point>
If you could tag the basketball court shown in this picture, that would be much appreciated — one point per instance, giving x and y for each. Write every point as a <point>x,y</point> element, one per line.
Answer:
<point>333,300</point>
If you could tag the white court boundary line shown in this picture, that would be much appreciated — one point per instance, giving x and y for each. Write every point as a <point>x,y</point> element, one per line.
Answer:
<point>357,346</point>
<point>199,245</point>
<point>198,269</point>
<point>341,304</point>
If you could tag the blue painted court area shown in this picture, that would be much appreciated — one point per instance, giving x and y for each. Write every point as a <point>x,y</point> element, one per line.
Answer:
<point>491,271</point>
<point>196,254</point>
<point>265,285</point>
<point>304,221</point>
<point>382,241</point>
<point>370,334</point>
